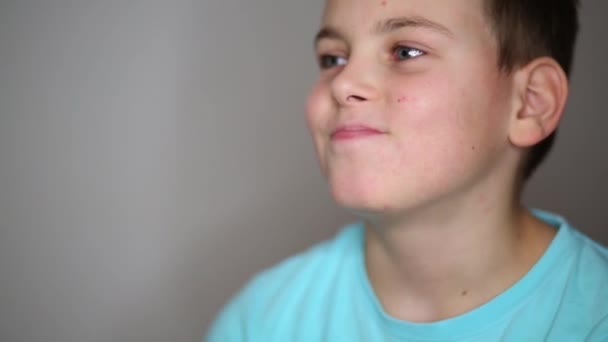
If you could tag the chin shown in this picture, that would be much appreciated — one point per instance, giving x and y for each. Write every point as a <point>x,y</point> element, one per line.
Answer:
<point>360,199</point>
<point>387,199</point>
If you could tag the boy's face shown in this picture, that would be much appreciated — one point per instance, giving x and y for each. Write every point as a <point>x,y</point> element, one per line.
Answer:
<point>410,107</point>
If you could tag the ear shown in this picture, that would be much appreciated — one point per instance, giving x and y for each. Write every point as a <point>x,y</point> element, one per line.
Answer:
<point>541,92</point>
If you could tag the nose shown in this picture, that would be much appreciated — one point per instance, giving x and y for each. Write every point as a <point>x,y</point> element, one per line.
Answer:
<point>355,83</point>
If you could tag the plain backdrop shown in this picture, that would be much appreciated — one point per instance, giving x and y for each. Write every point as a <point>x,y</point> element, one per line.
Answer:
<point>154,155</point>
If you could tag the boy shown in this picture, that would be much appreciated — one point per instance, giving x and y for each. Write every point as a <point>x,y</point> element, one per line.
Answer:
<point>428,116</point>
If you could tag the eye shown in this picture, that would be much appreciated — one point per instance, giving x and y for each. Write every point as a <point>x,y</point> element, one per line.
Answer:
<point>402,53</point>
<point>329,61</point>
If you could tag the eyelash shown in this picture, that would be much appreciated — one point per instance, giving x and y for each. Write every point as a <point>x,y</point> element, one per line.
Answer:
<point>329,61</point>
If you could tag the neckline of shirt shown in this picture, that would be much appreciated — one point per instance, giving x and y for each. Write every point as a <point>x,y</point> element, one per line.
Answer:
<point>486,315</point>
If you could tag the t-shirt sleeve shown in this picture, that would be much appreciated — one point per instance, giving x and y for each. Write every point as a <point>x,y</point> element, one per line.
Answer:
<point>237,321</point>
<point>230,323</point>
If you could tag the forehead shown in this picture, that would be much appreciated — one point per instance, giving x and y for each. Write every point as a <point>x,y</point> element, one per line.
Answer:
<point>461,17</point>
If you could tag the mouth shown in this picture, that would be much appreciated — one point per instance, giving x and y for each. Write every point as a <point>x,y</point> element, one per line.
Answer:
<point>353,132</point>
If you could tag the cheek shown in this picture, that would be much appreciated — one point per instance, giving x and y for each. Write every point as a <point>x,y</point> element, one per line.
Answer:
<point>318,114</point>
<point>424,110</point>
<point>443,108</point>
<point>318,105</point>
<point>440,122</point>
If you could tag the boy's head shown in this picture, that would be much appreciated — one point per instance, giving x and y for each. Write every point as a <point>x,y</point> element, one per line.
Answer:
<point>423,100</point>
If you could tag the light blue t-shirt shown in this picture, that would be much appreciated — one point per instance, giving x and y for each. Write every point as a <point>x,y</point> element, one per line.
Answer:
<point>324,294</point>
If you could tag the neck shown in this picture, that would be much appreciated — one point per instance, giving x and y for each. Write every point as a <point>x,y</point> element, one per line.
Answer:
<point>438,263</point>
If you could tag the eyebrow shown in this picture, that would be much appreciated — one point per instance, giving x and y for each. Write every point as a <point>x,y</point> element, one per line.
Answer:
<point>389,25</point>
<point>394,24</point>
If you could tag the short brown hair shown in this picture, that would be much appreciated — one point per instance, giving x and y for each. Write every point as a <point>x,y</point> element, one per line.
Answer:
<point>528,29</point>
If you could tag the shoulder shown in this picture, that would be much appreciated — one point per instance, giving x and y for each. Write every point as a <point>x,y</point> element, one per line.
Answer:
<point>591,257</point>
<point>271,293</point>
<point>589,274</point>
<point>588,253</point>
<point>309,266</point>
<point>586,288</point>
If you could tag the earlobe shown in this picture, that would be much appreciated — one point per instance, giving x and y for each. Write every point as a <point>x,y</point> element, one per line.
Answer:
<point>542,90</point>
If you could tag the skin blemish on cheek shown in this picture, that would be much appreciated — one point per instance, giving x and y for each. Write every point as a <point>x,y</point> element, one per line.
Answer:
<point>464,293</point>
<point>402,99</point>
<point>383,3</point>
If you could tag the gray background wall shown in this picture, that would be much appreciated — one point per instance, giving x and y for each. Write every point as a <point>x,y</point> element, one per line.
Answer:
<point>153,156</point>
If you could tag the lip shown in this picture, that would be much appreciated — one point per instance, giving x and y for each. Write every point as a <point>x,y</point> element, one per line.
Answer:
<point>354,131</point>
